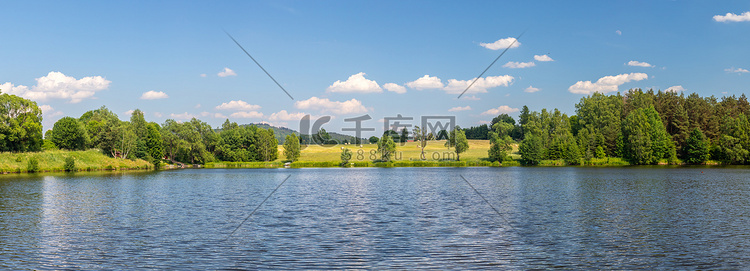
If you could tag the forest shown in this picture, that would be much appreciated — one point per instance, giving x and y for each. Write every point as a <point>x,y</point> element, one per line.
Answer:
<point>641,127</point>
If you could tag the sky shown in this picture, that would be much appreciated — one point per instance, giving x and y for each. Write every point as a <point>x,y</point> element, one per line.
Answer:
<point>345,59</point>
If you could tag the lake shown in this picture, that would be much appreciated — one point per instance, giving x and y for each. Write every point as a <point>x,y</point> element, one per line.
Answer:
<point>379,218</point>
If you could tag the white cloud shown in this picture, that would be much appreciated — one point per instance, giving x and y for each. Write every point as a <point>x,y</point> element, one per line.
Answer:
<point>153,95</point>
<point>458,108</point>
<point>56,85</point>
<point>129,112</point>
<point>619,33</point>
<point>458,86</point>
<point>470,98</point>
<point>181,116</point>
<point>606,84</point>
<point>676,88</point>
<point>284,115</point>
<point>203,75</point>
<point>213,115</point>
<point>395,88</point>
<point>543,58</point>
<point>737,70</point>
<point>531,89</point>
<point>519,65</point>
<point>48,111</point>
<point>500,110</point>
<point>158,114</point>
<point>355,84</point>
<point>426,82</point>
<point>247,115</point>
<point>197,106</point>
<point>731,17</point>
<point>501,44</point>
<point>238,105</point>
<point>484,122</point>
<point>226,72</point>
<point>324,105</point>
<point>639,64</point>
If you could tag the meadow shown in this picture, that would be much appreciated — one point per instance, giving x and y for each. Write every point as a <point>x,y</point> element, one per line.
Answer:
<point>54,160</point>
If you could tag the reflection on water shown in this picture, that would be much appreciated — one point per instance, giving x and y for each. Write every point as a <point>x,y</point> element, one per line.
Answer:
<point>405,218</point>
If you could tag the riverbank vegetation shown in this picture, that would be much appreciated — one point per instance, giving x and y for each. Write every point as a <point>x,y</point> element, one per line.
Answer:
<point>637,128</point>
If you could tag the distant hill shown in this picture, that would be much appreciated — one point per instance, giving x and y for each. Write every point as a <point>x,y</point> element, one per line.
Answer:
<point>282,132</point>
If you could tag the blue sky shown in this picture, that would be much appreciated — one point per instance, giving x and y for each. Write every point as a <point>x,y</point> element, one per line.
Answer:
<point>172,59</point>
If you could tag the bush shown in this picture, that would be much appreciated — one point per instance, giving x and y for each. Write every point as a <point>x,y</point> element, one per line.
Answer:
<point>70,164</point>
<point>33,165</point>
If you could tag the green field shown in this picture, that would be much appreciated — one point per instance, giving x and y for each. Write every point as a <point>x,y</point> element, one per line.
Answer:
<point>410,151</point>
<point>54,160</point>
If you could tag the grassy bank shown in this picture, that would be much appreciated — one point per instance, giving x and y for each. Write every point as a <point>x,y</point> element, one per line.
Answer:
<point>50,161</point>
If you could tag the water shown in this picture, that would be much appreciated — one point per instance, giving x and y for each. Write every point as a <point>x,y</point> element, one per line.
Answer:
<point>372,218</point>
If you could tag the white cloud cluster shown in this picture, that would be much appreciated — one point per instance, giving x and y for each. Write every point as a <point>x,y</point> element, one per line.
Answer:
<point>426,82</point>
<point>543,58</point>
<point>503,109</point>
<point>531,89</point>
<point>226,72</point>
<point>153,95</point>
<point>182,116</point>
<point>639,64</point>
<point>56,85</point>
<point>501,44</point>
<point>519,65</point>
<point>247,115</point>
<point>736,70</point>
<point>213,115</point>
<point>605,84</point>
<point>731,17</point>
<point>48,111</point>
<point>352,106</point>
<point>395,88</point>
<point>284,115</point>
<point>355,84</point>
<point>237,105</point>
<point>676,88</point>
<point>459,108</point>
<point>480,86</point>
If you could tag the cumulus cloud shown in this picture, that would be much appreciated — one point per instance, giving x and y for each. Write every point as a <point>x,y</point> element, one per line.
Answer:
<point>181,116</point>
<point>238,105</point>
<point>639,64</point>
<point>153,95</point>
<point>458,108</point>
<point>203,75</point>
<point>325,105</point>
<point>56,85</point>
<point>519,65</point>
<point>731,17</point>
<point>482,84</point>
<point>543,58</point>
<point>531,89</point>
<point>226,72</point>
<point>158,114</point>
<point>503,109</point>
<point>129,112</point>
<point>247,115</point>
<point>736,70</point>
<point>619,33</point>
<point>676,88</point>
<point>284,115</point>
<point>395,88</point>
<point>501,44</point>
<point>606,84</point>
<point>355,84</point>
<point>426,82</point>
<point>470,98</point>
<point>48,111</point>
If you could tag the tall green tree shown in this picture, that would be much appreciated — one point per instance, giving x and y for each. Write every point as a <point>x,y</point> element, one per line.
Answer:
<point>500,141</point>
<point>646,138</point>
<point>292,147</point>
<point>696,148</point>
<point>462,144</point>
<point>154,143</point>
<point>421,137</point>
<point>20,124</point>
<point>386,148</point>
<point>531,150</point>
<point>69,134</point>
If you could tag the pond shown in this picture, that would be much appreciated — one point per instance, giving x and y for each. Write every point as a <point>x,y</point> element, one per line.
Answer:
<point>379,218</point>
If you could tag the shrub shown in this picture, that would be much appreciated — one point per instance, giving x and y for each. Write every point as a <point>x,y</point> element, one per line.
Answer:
<point>33,165</point>
<point>70,164</point>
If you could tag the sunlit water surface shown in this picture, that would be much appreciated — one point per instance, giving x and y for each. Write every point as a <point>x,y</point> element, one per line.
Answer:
<point>372,218</point>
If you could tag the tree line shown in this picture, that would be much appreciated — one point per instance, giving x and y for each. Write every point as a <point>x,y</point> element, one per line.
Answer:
<point>643,127</point>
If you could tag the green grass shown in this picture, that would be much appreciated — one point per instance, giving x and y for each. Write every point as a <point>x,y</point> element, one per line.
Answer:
<point>54,160</point>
